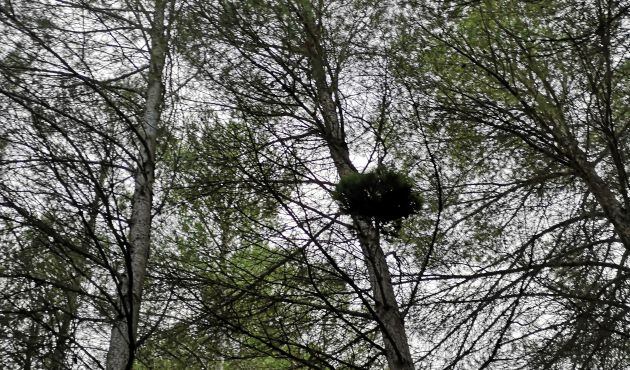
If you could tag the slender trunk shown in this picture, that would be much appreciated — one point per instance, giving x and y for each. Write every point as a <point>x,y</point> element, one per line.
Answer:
<point>388,315</point>
<point>123,335</point>
<point>386,307</point>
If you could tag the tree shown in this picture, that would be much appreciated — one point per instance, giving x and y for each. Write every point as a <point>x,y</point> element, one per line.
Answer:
<point>80,121</point>
<point>532,98</point>
<point>286,62</point>
<point>124,332</point>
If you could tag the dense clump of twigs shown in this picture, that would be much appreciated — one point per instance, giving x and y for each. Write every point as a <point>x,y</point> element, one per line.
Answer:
<point>382,194</point>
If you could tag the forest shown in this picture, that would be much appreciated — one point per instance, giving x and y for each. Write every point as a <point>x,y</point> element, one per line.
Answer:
<point>314,184</point>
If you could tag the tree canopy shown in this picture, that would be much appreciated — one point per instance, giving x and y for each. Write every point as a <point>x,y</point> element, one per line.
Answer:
<point>340,184</point>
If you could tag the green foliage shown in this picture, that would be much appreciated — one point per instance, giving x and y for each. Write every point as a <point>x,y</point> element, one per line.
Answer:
<point>381,194</point>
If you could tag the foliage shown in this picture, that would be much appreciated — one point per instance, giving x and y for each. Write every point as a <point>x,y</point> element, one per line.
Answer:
<point>381,194</point>
<point>503,123</point>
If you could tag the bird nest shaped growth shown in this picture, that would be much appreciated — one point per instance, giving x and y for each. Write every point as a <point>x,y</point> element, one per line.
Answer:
<point>381,194</point>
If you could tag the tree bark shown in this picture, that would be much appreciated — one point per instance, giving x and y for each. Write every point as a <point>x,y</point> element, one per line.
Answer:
<point>123,334</point>
<point>388,315</point>
<point>612,207</point>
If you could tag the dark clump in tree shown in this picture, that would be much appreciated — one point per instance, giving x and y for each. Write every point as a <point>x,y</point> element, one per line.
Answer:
<point>381,194</point>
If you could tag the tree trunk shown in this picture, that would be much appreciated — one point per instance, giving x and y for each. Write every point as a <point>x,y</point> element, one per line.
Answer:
<point>388,315</point>
<point>613,208</point>
<point>123,335</point>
